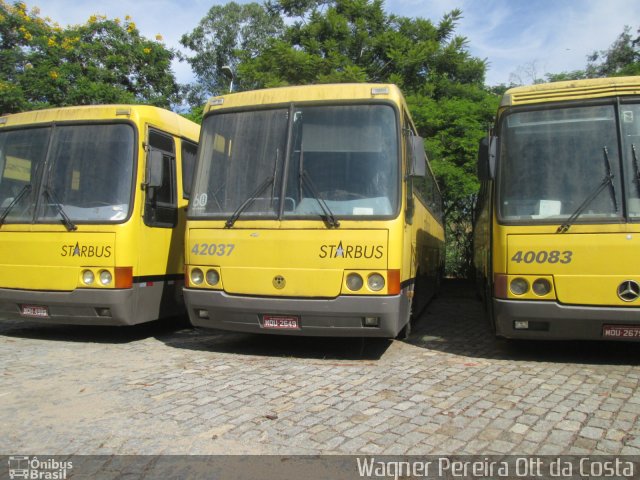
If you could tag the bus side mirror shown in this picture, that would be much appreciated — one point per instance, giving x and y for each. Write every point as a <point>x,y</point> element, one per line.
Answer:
<point>418,157</point>
<point>487,159</point>
<point>155,169</point>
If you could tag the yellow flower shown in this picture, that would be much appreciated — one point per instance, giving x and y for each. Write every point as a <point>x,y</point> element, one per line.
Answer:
<point>52,42</point>
<point>131,27</point>
<point>92,19</point>
<point>67,43</point>
<point>53,74</point>
<point>127,18</point>
<point>147,50</point>
<point>159,37</point>
<point>28,36</point>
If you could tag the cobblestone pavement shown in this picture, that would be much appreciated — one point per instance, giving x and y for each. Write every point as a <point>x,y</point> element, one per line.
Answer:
<point>450,389</point>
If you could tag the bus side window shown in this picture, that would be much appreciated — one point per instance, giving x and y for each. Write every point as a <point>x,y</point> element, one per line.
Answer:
<point>189,152</point>
<point>161,209</point>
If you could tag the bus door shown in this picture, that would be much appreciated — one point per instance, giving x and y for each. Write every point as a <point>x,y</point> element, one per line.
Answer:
<point>161,239</point>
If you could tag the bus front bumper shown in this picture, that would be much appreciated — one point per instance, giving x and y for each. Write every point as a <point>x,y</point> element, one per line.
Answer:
<point>77,307</point>
<point>554,321</point>
<point>344,316</point>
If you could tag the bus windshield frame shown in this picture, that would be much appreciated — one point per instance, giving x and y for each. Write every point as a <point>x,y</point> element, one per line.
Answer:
<point>74,172</point>
<point>335,160</point>
<point>569,162</point>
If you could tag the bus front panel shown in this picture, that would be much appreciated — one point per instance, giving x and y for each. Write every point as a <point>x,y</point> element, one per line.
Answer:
<point>565,250</point>
<point>302,219</point>
<point>327,281</point>
<point>71,229</point>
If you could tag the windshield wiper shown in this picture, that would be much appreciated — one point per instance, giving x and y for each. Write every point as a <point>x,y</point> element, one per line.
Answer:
<point>65,218</point>
<point>235,215</point>
<point>26,189</point>
<point>607,180</point>
<point>329,218</point>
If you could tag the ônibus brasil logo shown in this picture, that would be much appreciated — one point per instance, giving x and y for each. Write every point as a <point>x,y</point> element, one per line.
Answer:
<point>31,468</point>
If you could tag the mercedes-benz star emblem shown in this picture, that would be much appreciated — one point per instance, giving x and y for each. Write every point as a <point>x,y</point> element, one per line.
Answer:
<point>279,282</point>
<point>629,290</point>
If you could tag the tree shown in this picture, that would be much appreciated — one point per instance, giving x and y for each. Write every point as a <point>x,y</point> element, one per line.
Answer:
<point>228,35</point>
<point>452,127</point>
<point>620,59</point>
<point>102,61</point>
<point>356,41</point>
<point>526,74</point>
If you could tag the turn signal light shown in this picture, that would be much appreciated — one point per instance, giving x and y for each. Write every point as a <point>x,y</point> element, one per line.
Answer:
<point>124,277</point>
<point>393,282</point>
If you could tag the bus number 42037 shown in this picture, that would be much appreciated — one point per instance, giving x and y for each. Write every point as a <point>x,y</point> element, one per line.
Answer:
<point>219,249</point>
<point>543,256</point>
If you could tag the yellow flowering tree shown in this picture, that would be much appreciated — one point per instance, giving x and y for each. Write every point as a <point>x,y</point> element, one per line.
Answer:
<point>102,61</point>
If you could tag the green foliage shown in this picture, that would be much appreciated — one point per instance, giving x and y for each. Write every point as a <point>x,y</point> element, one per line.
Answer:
<point>622,58</point>
<point>357,41</point>
<point>195,114</point>
<point>102,61</point>
<point>452,127</point>
<point>227,36</point>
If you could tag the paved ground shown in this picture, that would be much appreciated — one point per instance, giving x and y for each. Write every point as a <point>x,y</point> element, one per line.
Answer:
<point>450,389</point>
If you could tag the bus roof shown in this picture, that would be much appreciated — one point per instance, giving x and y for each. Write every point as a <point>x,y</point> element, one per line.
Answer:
<point>159,117</point>
<point>307,93</point>
<point>571,90</point>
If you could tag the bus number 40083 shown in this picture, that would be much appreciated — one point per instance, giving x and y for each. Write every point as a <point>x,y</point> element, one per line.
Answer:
<point>543,256</point>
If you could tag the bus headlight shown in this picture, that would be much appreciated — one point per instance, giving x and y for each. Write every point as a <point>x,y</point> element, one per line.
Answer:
<point>212,277</point>
<point>519,286</point>
<point>375,282</point>
<point>105,277</point>
<point>87,277</point>
<point>541,287</point>
<point>197,276</point>
<point>354,282</point>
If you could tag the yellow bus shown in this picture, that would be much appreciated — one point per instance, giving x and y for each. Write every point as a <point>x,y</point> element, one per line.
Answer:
<point>92,213</point>
<point>557,232</point>
<point>305,217</point>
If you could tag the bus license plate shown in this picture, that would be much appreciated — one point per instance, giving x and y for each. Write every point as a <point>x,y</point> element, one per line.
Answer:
<point>34,311</point>
<point>282,322</point>
<point>620,331</point>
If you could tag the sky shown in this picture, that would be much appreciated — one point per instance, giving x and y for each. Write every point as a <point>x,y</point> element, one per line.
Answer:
<point>520,39</point>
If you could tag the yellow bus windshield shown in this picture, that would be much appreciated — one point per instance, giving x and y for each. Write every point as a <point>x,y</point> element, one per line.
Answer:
<point>82,173</point>
<point>299,162</point>
<point>563,162</point>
